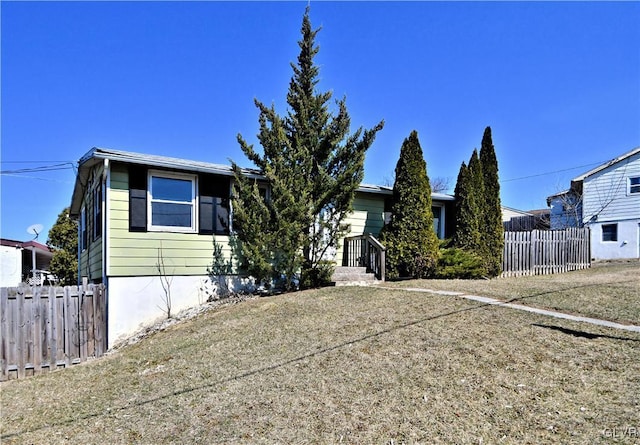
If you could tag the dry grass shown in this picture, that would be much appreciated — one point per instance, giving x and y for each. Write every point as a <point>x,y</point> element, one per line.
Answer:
<point>610,291</point>
<point>344,365</point>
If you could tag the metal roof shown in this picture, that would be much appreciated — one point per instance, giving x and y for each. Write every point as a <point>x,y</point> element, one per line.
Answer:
<point>386,190</point>
<point>97,155</point>
<point>159,161</point>
<point>30,245</point>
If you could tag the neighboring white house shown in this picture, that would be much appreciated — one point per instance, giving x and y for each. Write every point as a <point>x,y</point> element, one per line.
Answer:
<point>607,200</point>
<point>24,262</point>
<point>508,213</point>
<point>514,220</point>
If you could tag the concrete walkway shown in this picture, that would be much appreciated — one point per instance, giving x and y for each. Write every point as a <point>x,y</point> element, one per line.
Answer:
<point>521,307</point>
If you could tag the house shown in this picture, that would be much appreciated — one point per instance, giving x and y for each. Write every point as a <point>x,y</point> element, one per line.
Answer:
<point>607,200</point>
<point>24,262</point>
<point>514,220</point>
<point>508,213</point>
<point>565,209</point>
<point>143,217</point>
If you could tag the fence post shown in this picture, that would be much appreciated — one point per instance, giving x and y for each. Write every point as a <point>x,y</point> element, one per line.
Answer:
<point>4,347</point>
<point>37,330</point>
<point>20,332</point>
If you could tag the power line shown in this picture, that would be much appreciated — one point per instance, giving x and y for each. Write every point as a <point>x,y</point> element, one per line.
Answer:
<point>66,161</point>
<point>44,168</point>
<point>38,179</point>
<point>553,172</point>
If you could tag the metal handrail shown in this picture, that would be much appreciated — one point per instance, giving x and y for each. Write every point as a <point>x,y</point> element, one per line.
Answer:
<point>365,251</point>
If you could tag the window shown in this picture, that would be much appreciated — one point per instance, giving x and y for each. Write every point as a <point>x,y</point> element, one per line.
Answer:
<point>178,202</point>
<point>97,212</point>
<point>82,228</point>
<point>609,232</point>
<point>437,221</point>
<point>634,185</point>
<point>172,202</point>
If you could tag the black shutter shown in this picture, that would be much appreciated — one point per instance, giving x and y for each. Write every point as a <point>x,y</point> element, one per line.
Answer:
<point>207,209</point>
<point>137,199</point>
<point>212,188</point>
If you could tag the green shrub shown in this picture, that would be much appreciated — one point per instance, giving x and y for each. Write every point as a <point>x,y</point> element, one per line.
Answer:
<point>458,263</point>
<point>319,276</point>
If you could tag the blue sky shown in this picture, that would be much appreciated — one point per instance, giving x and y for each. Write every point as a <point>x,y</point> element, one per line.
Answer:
<point>558,82</point>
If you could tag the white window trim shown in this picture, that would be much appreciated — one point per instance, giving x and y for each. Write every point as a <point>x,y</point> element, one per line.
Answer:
<point>629,192</point>
<point>194,201</point>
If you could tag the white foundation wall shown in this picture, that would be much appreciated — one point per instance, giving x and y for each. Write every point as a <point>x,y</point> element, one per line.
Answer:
<point>627,246</point>
<point>137,302</point>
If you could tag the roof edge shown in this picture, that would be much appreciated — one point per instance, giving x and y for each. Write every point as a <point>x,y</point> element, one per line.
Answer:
<point>607,164</point>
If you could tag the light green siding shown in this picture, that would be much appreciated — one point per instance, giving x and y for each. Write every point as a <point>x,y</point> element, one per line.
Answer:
<point>137,253</point>
<point>368,214</point>
<point>90,261</point>
<point>367,217</point>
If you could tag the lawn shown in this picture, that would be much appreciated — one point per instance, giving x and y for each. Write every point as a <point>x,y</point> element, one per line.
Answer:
<point>610,291</point>
<point>344,365</point>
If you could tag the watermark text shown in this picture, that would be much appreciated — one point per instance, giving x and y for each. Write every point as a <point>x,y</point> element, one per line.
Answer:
<point>621,432</point>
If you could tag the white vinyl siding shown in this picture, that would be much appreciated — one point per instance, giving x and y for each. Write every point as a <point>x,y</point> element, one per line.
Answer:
<point>606,194</point>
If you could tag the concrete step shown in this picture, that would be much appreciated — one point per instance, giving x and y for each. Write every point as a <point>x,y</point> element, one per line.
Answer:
<point>352,276</point>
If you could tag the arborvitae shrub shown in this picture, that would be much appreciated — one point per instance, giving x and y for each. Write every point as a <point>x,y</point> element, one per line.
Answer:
<point>493,229</point>
<point>411,242</point>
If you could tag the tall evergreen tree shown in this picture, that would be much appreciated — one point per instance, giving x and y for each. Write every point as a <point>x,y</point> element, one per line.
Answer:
<point>470,210</point>
<point>476,181</point>
<point>410,239</point>
<point>493,228</point>
<point>313,167</point>
<point>467,233</point>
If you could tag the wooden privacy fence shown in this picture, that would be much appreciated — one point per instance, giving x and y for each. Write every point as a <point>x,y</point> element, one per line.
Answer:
<point>542,252</point>
<point>526,223</point>
<point>45,328</point>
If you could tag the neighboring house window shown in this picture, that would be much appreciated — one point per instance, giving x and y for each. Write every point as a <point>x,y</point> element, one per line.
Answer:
<point>609,232</point>
<point>97,212</point>
<point>83,229</point>
<point>172,201</point>
<point>634,185</point>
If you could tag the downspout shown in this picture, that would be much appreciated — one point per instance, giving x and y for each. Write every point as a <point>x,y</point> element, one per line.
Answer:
<point>106,175</point>
<point>79,254</point>
<point>106,181</point>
